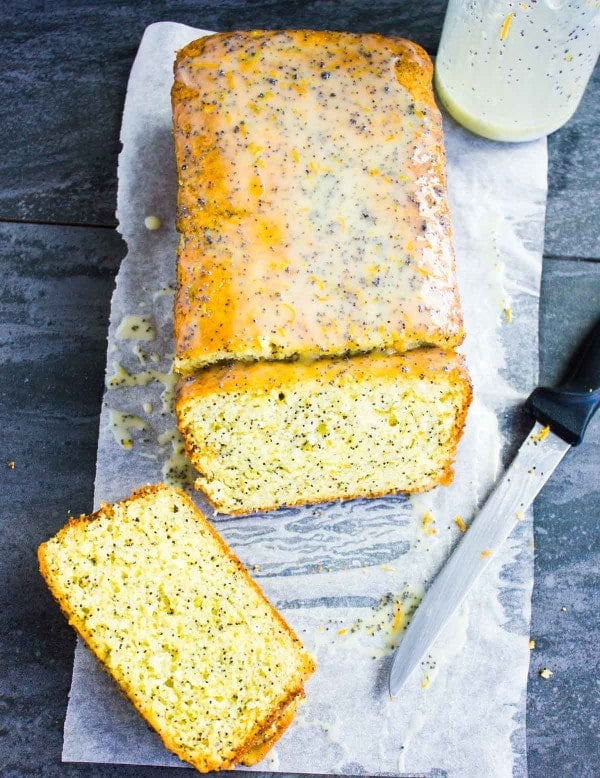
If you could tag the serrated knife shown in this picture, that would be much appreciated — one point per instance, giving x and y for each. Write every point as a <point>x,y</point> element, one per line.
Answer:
<point>562,415</point>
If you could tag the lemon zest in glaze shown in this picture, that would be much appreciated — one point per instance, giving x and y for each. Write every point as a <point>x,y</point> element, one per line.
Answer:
<point>506,26</point>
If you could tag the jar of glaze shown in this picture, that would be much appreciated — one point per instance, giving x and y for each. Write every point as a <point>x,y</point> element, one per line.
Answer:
<point>515,71</point>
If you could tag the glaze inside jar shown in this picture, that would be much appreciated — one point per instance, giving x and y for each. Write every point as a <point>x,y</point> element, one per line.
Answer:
<point>515,71</point>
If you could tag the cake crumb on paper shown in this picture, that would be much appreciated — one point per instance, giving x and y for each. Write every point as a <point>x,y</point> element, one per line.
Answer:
<point>542,434</point>
<point>458,520</point>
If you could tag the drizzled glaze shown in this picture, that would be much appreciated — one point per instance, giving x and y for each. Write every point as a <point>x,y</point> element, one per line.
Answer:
<point>312,199</point>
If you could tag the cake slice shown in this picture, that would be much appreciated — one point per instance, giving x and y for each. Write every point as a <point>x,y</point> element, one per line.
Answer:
<point>312,199</point>
<point>268,434</point>
<point>177,621</point>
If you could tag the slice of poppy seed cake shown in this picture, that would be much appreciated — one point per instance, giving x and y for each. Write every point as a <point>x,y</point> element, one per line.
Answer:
<point>177,621</point>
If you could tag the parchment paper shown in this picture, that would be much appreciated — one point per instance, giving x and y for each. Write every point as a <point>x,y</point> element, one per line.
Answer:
<point>346,575</point>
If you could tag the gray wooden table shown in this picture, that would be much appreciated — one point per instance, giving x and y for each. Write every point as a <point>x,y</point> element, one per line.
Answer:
<point>64,71</point>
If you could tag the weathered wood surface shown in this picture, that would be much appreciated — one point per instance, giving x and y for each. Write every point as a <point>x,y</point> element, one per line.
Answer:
<point>65,67</point>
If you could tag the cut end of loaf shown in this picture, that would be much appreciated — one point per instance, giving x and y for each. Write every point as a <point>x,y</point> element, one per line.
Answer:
<point>266,435</point>
<point>176,620</point>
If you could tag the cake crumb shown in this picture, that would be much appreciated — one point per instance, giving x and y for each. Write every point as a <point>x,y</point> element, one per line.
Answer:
<point>486,553</point>
<point>545,673</point>
<point>508,314</point>
<point>11,464</point>
<point>532,644</point>
<point>458,520</point>
<point>542,434</point>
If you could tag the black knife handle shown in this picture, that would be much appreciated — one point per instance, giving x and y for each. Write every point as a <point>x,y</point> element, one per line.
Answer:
<point>568,408</point>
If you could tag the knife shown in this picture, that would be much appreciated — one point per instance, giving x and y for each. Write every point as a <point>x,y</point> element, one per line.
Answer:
<point>562,415</point>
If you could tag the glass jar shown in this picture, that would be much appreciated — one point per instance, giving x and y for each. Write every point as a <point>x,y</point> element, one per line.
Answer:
<point>515,71</point>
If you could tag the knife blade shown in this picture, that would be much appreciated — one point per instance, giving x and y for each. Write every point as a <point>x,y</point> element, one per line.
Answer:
<point>562,415</point>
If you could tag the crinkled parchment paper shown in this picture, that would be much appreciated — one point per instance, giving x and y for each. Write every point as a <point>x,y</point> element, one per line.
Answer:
<point>346,575</point>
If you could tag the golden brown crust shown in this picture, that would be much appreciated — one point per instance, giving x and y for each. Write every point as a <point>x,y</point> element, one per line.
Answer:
<point>254,283</point>
<point>267,739</point>
<point>206,765</point>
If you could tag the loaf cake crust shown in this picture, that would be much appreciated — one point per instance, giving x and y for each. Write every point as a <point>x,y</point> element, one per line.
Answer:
<point>265,741</point>
<point>268,434</point>
<point>176,619</point>
<point>312,199</point>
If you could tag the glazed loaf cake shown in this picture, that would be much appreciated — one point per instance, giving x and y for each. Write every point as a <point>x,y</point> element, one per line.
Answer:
<point>268,434</point>
<point>177,621</point>
<point>312,199</point>
<point>315,250</point>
